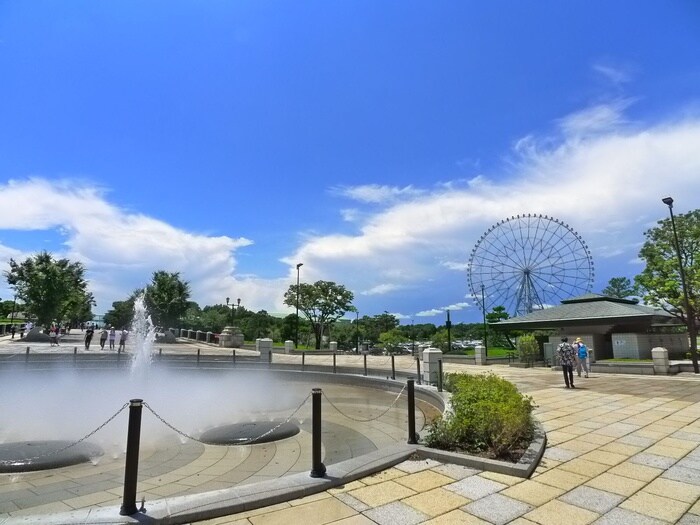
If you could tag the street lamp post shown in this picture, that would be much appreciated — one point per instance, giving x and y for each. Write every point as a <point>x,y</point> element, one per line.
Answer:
<point>690,311</point>
<point>448,325</point>
<point>296,334</point>
<point>483,309</point>
<point>357,331</point>
<point>227,305</point>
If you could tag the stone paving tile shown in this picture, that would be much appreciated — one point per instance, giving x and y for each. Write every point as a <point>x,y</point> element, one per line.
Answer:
<point>690,462</point>
<point>606,458</point>
<point>674,490</point>
<point>412,465</point>
<point>592,499</point>
<point>560,454</point>
<point>683,474</point>
<point>652,460</point>
<point>498,509</point>
<point>437,501</point>
<point>382,493</point>
<point>560,479</point>
<point>315,513</point>
<point>557,512</point>
<point>522,521</point>
<point>579,445</point>
<point>396,512</point>
<point>457,517</point>
<point>621,448</point>
<point>617,484</point>
<point>616,430</point>
<point>425,480</point>
<point>689,519</point>
<point>688,436</point>
<point>456,471</point>
<point>620,516</point>
<point>532,492</point>
<point>353,502</point>
<point>501,478</point>
<point>347,487</point>
<point>475,487</point>
<point>655,506</point>
<point>637,441</point>
<point>384,475</point>
<point>354,520</point>
<point>671,452</point>
<point>590,469</point>
<point>635,471</point>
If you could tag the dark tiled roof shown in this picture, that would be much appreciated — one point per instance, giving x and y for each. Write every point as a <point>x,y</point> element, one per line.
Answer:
<point>592,306</point>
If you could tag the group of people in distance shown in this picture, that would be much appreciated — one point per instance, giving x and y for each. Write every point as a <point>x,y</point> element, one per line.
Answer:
<point>106,334</point>
<point>571,356</point>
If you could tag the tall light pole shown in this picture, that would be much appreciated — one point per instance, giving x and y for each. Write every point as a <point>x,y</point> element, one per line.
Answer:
<point>486,329</point>
<point>689,310</point>
<point>448,325</point>
<point>296,335</point>
<point>357,331</point>
<point>227,306</point>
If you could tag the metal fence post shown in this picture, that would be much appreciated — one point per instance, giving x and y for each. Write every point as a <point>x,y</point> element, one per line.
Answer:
<point>318,469</point>
<point>365,362</point>
<point>334,362</point>
<point>411,414</point>
<point>393,367</point>
<point>131,470</point>
<point>198,351</point>
<point>439,385</point>
<point>303,359</point>
<point>418,368</point>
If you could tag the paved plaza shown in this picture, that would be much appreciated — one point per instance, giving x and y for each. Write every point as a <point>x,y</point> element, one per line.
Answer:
<point>621,450</point>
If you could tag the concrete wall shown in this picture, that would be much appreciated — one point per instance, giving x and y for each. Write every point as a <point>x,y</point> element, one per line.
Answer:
<point>638,346</point>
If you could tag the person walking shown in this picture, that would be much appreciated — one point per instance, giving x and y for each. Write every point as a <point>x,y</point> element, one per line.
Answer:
<point>52,334</point>
<point>88,336</point>
<point>12,331</point>
<point>112,337</point>
<point>103,338</point>
<point>567,358</point>
<point>581,357</point>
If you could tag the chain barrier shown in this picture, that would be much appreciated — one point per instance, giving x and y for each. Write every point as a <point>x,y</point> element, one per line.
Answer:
<point>55,452</point>
<point>362,420</point>
<point>246,442</point>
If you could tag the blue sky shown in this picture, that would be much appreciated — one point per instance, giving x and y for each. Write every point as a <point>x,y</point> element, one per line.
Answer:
<point>373,141</point>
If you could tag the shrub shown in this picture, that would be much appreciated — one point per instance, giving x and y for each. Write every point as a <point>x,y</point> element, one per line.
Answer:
<point>528,348</point>
<point>489,416</point>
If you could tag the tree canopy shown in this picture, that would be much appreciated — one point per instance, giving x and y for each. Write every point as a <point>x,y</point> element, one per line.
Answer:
<point>167,298</point>
<point>51,289</point>
<point>322,302</point>
<point>660,281</point>
<point>621,287</point>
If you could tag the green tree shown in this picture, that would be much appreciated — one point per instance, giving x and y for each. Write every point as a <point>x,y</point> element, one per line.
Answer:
<point>499,337</point>
<point>528,348</point>
<point>50,288</point>
<point>391,340</point>
<point>660,281</point>
<point>322,302</point>
<point>620,287</point>
<point>122,313</point>
<point>167,298</point>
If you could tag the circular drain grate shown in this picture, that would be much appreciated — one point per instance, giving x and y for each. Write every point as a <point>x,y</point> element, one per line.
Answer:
<point>42,455</point>
<point>253,432</point>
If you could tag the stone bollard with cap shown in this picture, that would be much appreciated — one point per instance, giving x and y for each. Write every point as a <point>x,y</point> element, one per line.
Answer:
<point>288,346</point>
<point>480,355</point>
<point>659,357</point>
<point>333,346</point>
<point>264,346</point>
<point>431,367</point>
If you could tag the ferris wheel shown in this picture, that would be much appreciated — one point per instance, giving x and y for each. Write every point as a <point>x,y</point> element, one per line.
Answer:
<point>529,262</point>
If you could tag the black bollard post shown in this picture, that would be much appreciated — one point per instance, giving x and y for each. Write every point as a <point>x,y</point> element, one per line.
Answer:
<point>160,354</point>
<point>318,469</point>
<point>131,471</point>
<point>439,375</point>
<point>269,356</point>
<point>303,359</point>
<point>198,351</point>
<point>334,362</point>
<point>418,368</point>
<point>393,367</point>
<point>26,357</point>
<point>234,356</point>
<point>411,414</point>
<point>75,354</point>
<point>365,361</point>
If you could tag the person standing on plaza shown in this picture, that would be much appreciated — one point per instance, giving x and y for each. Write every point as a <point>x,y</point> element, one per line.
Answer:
<point>567,359</point>
<point>103,338</point>
<point>112,337</point>
<point>122,339</point>
<point>88,336</point>
<point>581,357</point>
<point>12,331</point>
<point>53,338</point>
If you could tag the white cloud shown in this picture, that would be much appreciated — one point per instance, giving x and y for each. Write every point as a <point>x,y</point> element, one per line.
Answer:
<point>596,119</point>
<point>458,266</point>
<point>429,313</point>
<point>381,289</point>
<point>376,193</point>
<point>614,74</point>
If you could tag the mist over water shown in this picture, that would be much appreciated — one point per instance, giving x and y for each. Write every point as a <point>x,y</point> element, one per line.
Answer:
<point>68,404</point>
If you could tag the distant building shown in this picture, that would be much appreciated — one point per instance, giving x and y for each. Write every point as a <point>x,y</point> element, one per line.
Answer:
<point>611,327</point>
